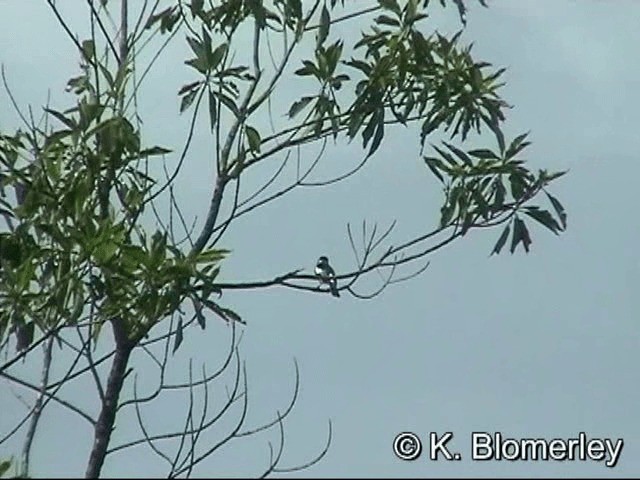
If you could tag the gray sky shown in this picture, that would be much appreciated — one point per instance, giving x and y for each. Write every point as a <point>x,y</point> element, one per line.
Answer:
<point>537,345</point>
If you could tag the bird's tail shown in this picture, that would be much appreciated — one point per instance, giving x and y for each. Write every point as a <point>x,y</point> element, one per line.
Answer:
<point>334,288</point>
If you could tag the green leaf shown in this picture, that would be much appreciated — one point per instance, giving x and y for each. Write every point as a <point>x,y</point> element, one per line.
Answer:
<point>67,121</point>
<point>230,315</point>
<point>253,137</point>
<point>557,206</point>
<point>229,103</point>
<point>364,67</point>
<point>197,47</point>
<point>500,137</point>
<point>308,69</point>
<point>217,55</point>
<point>500,194</point>
<point>202,321</point>
<point>155,150</point>
<point>323,29</point>
<point>179,336</point>
<point>213,110</point>
<point>188,86</point>
<point>386,20</point>
<point>552,176</point>
<point>374,128</point>
<point>518,185</point>
<point>298,106</point>
<point>450,160</point>
<point>105,252</point>
<point>88,50</point>
<point>462,11</point>
<point>435,165</point>
<point>296,7</point>
<point>460,154</point>
<point>543,217</point>
<point>333,54</point>
<point>200,64</point>
<point>517,145</point>
<point>377,137</point>
<point>196,7</point>
<point>187,100</point>
<point>167,18</point>
<point>502,240</point>
<point>368,130</point>
<point>446,213</point>
<point>483,154</point>
<point>24,336</point>
<point>5,465</point>
<point>391,5</point>
<point>211,255</point>
<point>520,234</point>
<point>493,123</point>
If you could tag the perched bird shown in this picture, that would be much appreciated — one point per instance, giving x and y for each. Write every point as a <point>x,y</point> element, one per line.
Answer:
<point>326,275</point>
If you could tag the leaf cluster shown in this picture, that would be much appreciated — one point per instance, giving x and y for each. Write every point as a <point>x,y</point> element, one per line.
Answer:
<point>75,249</point>
<point>483,187</point>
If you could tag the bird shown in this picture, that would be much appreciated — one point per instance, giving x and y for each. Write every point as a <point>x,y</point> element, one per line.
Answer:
<point>326,274</point>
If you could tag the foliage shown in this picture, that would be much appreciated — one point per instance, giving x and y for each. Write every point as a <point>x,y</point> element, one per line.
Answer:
<point>76,256</point>
<point>5,465</point>
<point>73,246</point>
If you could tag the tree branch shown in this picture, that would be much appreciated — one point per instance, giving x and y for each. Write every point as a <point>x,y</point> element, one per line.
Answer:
<point>106,419</point>
<point>37,409</point>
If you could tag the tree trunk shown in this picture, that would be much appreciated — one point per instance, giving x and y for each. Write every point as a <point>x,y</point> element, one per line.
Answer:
<point>107,418</point>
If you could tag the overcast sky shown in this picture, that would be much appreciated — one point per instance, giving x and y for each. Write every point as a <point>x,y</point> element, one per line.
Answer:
<point>543,344</point>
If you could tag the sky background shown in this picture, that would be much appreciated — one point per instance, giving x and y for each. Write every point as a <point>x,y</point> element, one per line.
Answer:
<point>543,344</point>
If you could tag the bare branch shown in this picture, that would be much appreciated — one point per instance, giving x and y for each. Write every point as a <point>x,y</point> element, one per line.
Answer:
<point>279,417</point>
<point>37,408</point>
<point>312,462</point>
<point>64,403</point>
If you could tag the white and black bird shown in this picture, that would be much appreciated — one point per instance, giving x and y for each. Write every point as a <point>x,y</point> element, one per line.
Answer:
<point>326,274</point>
